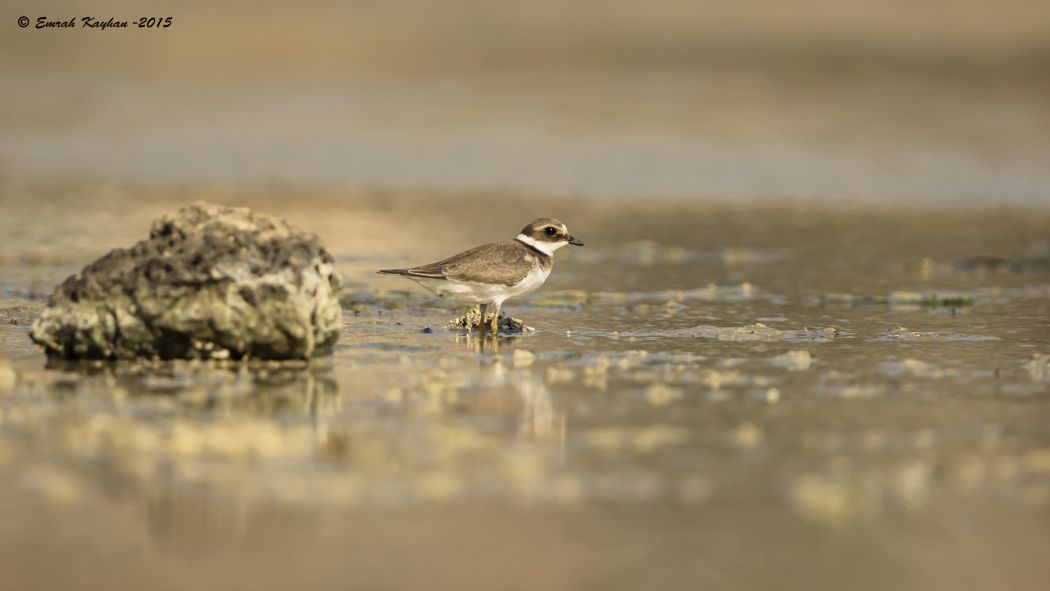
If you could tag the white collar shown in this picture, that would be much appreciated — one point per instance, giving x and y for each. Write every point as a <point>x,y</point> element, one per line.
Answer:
<point>546,248</point>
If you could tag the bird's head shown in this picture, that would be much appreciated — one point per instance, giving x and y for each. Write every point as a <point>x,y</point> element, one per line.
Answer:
<point>547,235</point>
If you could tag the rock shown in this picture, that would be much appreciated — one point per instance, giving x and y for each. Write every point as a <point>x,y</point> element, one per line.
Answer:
<point>210,282</point>
<point>793,360</point>
<point>471,322</point>
<point>8,377</point>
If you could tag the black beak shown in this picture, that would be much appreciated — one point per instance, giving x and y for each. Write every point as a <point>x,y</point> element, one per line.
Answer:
<point>575,241</point>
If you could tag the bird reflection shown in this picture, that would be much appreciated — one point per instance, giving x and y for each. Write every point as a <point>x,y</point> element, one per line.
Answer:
<point>484,342</point>
<point>539,419</point>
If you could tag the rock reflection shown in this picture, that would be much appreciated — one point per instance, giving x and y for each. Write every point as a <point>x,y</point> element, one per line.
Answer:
<point>264,388</point>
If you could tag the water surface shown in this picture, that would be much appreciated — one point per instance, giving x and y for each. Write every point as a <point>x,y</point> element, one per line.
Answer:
<point>781,394</point>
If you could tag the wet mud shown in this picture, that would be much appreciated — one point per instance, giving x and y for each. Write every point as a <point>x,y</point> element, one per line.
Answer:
<point>811,391</point>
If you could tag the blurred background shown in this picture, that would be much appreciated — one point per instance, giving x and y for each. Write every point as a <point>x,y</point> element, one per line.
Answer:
<point>897,100</point>
<point>805,347</point>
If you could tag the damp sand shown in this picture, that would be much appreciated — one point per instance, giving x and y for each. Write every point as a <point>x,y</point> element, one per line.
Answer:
<point>732,396</point>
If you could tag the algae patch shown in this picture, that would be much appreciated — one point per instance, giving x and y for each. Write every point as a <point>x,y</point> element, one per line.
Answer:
<point>761,332</point>
<point>905,299</point>
<point>18,315</point>
<point>901,334</point>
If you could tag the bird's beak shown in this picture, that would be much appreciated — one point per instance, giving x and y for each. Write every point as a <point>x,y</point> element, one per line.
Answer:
<point>575,241</point>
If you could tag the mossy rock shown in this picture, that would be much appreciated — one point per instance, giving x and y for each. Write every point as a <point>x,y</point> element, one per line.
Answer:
<point>210,282</point>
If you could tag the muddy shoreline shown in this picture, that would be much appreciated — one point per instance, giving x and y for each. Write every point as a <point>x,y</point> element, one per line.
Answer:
<point>811,384</point>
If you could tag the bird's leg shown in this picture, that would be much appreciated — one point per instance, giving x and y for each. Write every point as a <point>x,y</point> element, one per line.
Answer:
<point>481,326</point>
<point>495,317</point>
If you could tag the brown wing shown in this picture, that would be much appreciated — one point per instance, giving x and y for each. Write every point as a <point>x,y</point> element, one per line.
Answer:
<point>501,262</point>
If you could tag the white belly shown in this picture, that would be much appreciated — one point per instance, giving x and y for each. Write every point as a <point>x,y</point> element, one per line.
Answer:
<point>480,293</point>
<point>532,282</point>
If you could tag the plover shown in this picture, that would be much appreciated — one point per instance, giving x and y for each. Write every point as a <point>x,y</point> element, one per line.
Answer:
<point>493,273</point>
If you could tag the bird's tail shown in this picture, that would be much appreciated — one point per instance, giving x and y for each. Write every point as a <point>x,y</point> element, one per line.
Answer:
<point>393,271</point>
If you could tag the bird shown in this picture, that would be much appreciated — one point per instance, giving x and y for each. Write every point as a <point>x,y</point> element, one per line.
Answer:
<point>491,274</point>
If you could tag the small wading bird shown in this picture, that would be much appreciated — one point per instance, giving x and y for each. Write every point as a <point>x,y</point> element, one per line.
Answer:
<point>493,273</point>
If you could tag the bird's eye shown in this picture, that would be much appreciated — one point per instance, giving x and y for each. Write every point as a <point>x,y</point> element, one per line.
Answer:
<point>550,231</point>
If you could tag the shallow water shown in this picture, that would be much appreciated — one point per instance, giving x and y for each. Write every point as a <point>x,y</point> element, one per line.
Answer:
<point>779,394</point>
